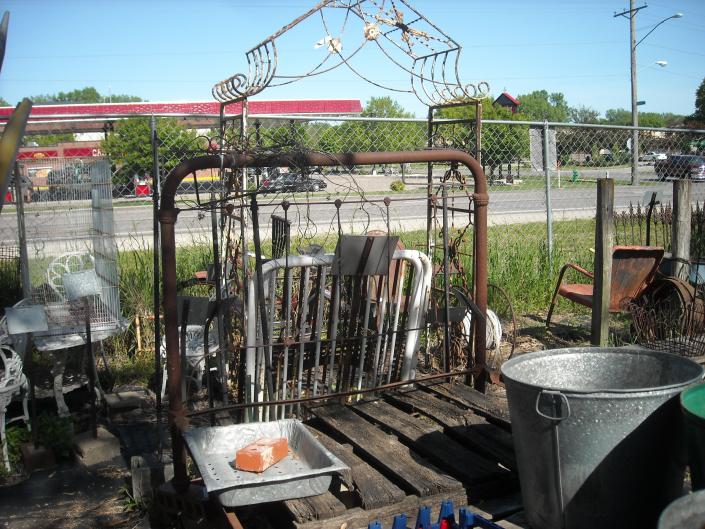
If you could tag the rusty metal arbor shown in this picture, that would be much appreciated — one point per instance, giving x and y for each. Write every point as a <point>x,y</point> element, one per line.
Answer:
<point>430,57</point>
<point>401,33</point>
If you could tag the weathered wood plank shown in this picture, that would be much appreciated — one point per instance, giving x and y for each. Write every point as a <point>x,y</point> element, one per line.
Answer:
<point>357,518</point>
<point>409,470</point>
<point>515,521</point>
<point>502,507</point>
<point>371,487</point>
<point>461,424</point>
<point>464,395</point>
<point>428,439</point>
<point>319,507</point>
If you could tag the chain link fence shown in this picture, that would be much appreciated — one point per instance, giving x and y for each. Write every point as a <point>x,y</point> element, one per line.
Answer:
<point>541,175</point>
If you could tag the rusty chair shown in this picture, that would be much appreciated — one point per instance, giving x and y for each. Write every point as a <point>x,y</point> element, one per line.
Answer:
<point>633,269</point>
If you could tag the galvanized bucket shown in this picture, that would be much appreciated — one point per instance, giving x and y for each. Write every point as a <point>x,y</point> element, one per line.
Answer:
<point>598,435</point>
<point>693,404</point>
<point>687,512</point>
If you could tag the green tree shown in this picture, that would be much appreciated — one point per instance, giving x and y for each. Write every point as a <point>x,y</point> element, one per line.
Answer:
<point>697,118</point>
<point>384,107</point>
<point>618,116</point>
<point>384,136</point>
<point>539,105</point>
<point>583,114</point>
<point>82,95</point>
<point>621,116</point>
<point>4,103</point>
<point>501,144</point>
<point>130,150</point>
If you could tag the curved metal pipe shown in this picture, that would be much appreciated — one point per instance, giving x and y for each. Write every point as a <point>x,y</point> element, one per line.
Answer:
<point>168,214</point>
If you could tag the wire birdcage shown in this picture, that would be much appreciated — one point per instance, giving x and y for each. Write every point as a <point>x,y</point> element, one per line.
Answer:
<point>671,324</point>
<point>70,238</point>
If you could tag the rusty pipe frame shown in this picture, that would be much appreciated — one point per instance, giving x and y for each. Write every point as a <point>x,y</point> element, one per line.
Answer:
<point>168,214</point>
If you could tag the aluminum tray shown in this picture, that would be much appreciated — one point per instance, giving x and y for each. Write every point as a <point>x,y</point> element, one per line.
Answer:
<point>306,471</point>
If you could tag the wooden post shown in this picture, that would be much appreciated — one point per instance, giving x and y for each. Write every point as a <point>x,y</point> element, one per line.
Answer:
<point>604,240</point>
<point>680,235</point>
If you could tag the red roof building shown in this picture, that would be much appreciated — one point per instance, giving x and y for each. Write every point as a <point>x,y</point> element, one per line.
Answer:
<point>92,117</point>
<point>286,107</point>
<point>507,101</point>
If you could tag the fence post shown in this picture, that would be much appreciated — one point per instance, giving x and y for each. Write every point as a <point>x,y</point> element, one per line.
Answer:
<point>680,234</point>
<point>156,285</point>
<point>549,214</point>
<point>604,240</point>
<point>22,235</point>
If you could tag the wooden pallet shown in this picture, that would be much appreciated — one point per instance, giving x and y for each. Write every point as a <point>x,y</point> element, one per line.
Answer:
<point>408,449</point>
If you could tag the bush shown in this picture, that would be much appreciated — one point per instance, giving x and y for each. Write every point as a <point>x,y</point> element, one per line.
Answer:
<point>56,434</point>
<point>397,185</point>
<point>15,437</point>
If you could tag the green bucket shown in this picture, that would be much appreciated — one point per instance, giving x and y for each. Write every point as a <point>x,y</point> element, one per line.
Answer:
<point>693,404</point>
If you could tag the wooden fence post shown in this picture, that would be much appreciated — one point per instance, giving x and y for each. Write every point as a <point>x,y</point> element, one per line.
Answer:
<point>680,234</point>
<point>604,241</point>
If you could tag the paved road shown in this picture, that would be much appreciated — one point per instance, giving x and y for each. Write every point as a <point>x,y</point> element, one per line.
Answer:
<point>134,223</point>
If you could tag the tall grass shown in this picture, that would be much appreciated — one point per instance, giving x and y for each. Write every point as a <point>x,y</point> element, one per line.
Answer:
<point>517,261</point>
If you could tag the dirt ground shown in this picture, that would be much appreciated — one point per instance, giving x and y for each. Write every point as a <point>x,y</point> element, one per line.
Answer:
<point>69,497</point>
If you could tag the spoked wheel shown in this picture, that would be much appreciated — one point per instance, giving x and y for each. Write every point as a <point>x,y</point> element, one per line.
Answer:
<point>501,345</point>
<point>501,324</point>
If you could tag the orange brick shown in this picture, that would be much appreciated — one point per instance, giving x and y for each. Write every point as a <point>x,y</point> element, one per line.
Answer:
<point>262,454</point>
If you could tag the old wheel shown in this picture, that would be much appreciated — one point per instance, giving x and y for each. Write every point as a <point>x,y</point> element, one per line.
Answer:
<point>500,310</point>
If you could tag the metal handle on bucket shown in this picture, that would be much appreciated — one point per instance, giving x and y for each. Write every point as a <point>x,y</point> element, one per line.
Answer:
<point>552,405</point>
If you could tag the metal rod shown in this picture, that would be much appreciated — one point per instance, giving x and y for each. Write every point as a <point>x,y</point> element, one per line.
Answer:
<point>380,314</point>
<point>288,288</point>
<point>218,281</point>
<point>446,281</point>
<point>652,203</point>
<point>91,368</point>
<point>363,334</point>
<point>331,396</point>
<point>167,219</point>
<point>183,327</point>
<point>22,236</point>
<point>399,281</point>
<point>319,323</point>
<point>549,213</point>
<point>156,290</point>
<point>303,315</point>
<point>262,304</point>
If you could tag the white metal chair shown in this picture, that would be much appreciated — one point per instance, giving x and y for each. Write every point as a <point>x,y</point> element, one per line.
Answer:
<point>198,312</point>
<point>13,382</point>
<point>58,271</point>
<point>67,263</point>
<point>307,337</point>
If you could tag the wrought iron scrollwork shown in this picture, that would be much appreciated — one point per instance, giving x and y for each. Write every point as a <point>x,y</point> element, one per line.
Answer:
<point>400,32</point>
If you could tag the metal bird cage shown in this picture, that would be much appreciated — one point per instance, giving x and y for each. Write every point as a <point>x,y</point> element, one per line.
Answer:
<point>71,247</point>
<point>670,318</point>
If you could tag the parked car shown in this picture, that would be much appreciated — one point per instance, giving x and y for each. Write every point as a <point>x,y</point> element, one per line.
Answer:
<point>652,156</point>
<point>681,166</point>
<point>69,183</point>
<point>291,183</point>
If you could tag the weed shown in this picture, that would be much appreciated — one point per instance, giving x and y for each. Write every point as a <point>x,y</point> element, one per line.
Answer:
<point>56,434</point>
<point>397,185</point>
<point>132,504</point>
<point>15,437</point>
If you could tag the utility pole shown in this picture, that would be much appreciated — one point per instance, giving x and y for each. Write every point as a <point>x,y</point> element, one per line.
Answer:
<point>631,14</point>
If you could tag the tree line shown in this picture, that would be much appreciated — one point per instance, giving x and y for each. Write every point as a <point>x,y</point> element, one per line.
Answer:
<point>128,144</point>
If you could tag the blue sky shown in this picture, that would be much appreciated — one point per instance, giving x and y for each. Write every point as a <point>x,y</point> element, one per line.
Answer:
<point>177,49</point>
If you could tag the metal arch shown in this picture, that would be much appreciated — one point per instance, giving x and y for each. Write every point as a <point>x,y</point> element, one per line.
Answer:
<point>433,87</point>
